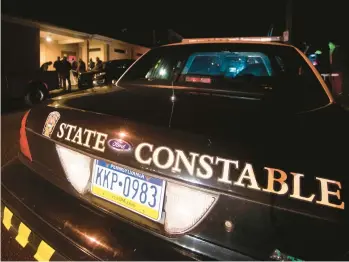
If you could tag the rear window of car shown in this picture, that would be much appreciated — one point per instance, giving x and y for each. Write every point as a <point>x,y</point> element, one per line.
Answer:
<point>246,68</point>
<point>118,64</point>
<point>228,64</point>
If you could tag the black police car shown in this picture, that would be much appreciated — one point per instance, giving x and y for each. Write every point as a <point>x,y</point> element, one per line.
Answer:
<point>111,70</point>
<point>228,149</point>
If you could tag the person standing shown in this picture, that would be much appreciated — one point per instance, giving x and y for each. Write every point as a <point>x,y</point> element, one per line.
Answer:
<point>99,64</point>
<point>66,67</point>
<point>323,63</point>
<point>74,68</point>
<point>91,64</point>
<point>45,66</point>
<point>74,64</point>
<point>338,68</point>
<point>81,66</point>
<point>57,65</point>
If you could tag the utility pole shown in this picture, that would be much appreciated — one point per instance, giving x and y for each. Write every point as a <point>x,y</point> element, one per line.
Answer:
<point>289,13</point>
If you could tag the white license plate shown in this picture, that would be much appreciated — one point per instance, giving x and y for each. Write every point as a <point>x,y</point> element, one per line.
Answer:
<point>132,190</point>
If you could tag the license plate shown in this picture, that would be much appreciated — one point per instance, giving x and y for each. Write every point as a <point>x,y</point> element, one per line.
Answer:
<point>127,188</point>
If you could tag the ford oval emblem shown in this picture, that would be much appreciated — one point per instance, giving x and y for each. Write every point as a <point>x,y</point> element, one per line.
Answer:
<point>119,145</point>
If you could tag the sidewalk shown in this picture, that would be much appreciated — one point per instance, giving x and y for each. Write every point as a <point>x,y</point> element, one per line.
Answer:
<point>59,92</point>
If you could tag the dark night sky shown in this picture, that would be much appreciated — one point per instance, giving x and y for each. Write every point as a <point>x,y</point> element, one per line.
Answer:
<point>311,20</point>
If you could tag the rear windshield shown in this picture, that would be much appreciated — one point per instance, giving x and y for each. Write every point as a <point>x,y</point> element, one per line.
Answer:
<point>250,69</point>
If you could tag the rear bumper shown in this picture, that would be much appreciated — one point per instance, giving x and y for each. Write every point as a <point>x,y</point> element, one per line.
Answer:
<point>99,82</point>
<point>77,231</point>
<point>25,237</point>
<point>85,80</point>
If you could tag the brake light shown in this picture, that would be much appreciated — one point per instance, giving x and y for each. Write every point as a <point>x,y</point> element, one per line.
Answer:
<point>204,80</point>
<point>23,141</point>
<point>77,168</point>
<point>185,207</point>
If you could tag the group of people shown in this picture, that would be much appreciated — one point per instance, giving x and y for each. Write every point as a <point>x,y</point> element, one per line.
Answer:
<point>63,68</point>
<point>332,60</point>
<point>339,68</point>
<point>95,66</point>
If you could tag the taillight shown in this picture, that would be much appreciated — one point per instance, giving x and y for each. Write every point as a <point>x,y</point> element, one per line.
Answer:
<point>185,207</point>
<point>77,168</point>
<point>204,80</point>
<point>23,141</point>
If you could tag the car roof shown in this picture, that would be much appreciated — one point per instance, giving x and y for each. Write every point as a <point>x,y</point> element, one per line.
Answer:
<point>118,60</point>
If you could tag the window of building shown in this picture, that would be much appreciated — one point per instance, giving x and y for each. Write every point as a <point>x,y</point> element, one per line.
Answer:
<point>121,51</point>
<point>94,49</point>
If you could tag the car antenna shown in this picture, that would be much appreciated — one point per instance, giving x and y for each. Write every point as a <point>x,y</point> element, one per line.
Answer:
<point>271,29</point>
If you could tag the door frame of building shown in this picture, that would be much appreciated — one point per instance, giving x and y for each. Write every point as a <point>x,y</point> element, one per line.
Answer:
<point>69,53</point>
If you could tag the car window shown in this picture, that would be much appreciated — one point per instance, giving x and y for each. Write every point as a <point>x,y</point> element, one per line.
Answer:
<point>117,65</point>
<point>252,69</point>
<point>228,64</point>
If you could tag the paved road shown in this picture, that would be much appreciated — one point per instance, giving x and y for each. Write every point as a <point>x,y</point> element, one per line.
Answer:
<point>10,124</point>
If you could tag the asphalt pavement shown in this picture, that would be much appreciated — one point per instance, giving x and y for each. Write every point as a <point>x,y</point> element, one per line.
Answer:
<point>10,124</point>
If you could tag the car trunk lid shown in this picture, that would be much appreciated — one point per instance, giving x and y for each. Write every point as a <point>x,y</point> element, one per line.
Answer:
<point>217,140</point>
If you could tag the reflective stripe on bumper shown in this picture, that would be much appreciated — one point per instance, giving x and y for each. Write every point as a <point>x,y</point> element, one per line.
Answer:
<point>42,251</point>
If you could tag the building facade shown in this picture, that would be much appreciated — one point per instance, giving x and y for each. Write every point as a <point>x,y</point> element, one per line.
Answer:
<point>41,42</point>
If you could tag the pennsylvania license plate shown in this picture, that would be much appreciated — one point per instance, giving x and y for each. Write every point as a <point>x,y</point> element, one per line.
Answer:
<point>132,190</point>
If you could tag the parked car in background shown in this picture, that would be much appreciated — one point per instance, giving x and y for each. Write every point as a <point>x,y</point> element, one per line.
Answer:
<point>111,70</point>
<point>85,79</point>
<point>32,87</point>
<point>21,77</point>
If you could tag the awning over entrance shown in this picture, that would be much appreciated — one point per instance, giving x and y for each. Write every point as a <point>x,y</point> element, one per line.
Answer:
<point>60,39</point>
<point>53,45</point>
